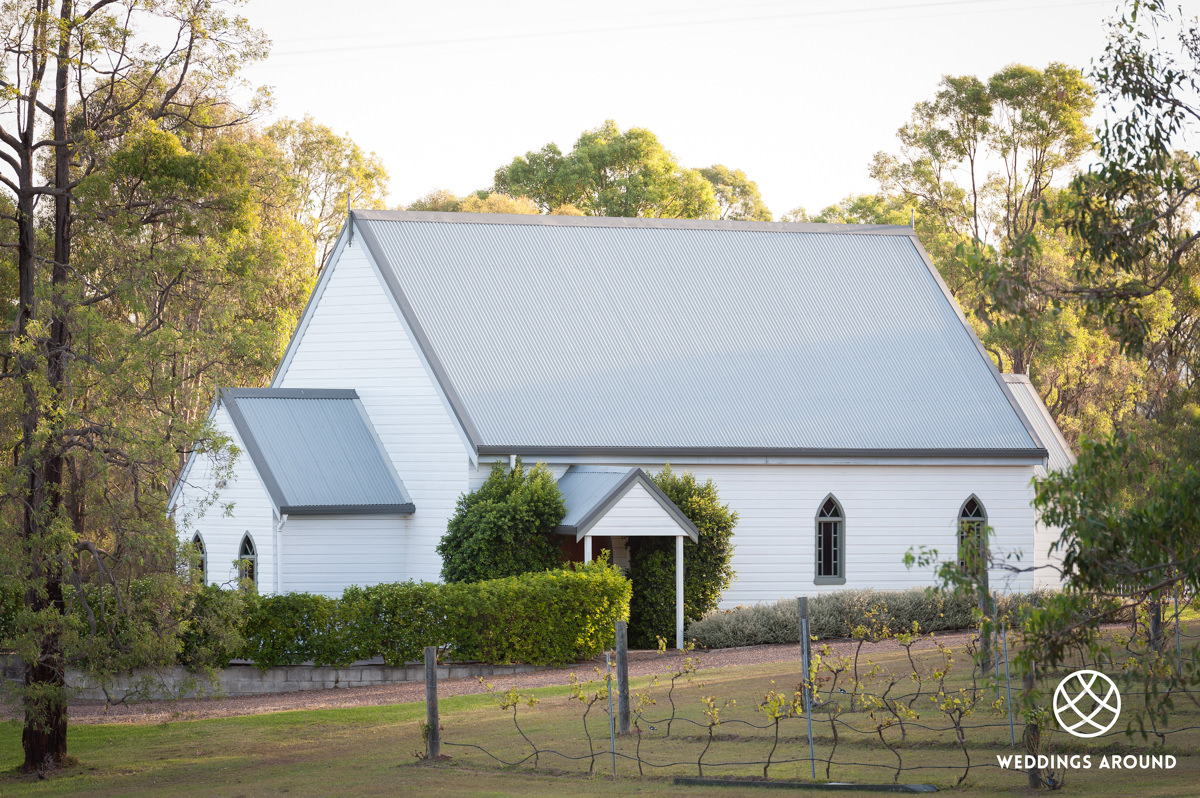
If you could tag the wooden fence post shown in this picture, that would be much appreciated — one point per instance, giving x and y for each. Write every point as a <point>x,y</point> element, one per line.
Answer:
<point>433,738</point>
<point>623,677</point>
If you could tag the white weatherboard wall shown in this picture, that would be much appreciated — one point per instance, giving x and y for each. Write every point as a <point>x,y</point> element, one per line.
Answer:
<point>327,554</point>
<point>1044,537</point>
<point>889,509</point>
<point>222,532</point>
<point>636,513</point>
<point>356,338</point>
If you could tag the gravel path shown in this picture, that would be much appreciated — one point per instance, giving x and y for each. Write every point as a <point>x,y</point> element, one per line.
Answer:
<point>641,663</point>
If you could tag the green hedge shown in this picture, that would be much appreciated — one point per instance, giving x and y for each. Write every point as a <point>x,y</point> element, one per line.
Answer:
<point>836,614</point>
<point>548,618</point>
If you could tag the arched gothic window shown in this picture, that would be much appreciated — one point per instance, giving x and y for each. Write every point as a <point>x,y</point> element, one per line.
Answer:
<point>972,544</point>
<point>831,543</point>
<point>247,559</point>
<point>202,559</point>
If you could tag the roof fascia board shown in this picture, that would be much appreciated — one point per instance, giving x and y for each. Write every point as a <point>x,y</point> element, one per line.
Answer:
<point>257,459</point>
<point>664,454</point>
<point>1045,411</point>
<point>636,476</point>
<point>631,222</point>
<point>657,462</point>
<point>385,272</point>
<point>314,299</point>
<point>292,393</point>
<point>983,353</point>
<point>349,509</point>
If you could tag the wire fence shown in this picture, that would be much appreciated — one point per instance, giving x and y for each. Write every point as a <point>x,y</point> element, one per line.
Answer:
<point>917,711</point>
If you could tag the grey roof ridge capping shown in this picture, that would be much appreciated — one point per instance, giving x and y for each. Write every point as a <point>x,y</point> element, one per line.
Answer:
<point>410,317</point>
<point>229,397</point>
<point>627,221</point>
<point>618,491</point>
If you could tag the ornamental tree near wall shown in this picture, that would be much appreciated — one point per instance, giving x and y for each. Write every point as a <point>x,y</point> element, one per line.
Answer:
<point>707,563</point>
<point>505,528</point>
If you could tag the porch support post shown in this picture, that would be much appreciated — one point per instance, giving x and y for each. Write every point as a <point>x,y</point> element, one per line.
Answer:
<point>587,548</point>
<point>679,592</point>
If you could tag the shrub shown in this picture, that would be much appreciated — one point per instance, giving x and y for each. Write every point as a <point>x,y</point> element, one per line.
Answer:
<point>293,628</point>
<point>707,567</point>
<point>836,614</point>
<point>214,620</point>
<point>505,528</point>
<point>549,618</point>
<point>553,617</point>
<point>397,620</point>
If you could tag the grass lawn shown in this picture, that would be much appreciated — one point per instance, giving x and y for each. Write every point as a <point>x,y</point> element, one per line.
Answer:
<point>371,750</point>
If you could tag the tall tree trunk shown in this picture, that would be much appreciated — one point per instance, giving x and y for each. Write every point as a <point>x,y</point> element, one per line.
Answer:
<point>45,735</point>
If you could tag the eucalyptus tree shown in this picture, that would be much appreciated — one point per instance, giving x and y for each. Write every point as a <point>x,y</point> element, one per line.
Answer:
<point>610,172</point>
<point>108,215</point>
<point>738,196</point>
<point>327,172</point>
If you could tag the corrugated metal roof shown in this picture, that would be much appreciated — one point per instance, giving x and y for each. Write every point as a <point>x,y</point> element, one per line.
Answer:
<point>623,334</point>
<point>583,488</point>
<point>316,451</point>
<point>1059,454</point>
<point>590,491</point>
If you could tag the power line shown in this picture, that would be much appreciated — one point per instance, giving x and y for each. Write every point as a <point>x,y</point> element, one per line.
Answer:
<point>939,4</point>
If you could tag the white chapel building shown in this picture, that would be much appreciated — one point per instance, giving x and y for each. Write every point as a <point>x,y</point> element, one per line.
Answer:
<point>821,375</point>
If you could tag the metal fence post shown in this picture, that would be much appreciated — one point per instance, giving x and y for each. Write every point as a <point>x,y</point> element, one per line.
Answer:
<point>622,677</point>
<point>1178,648</point>
<point>612,729</point>
<point>806,685</point>
<point>1012,732</point>
<point>433,738</point>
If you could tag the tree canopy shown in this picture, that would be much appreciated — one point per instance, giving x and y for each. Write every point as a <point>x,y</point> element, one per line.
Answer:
<point>327,172</point>
<point>156,244</point>
<point>610,172</point>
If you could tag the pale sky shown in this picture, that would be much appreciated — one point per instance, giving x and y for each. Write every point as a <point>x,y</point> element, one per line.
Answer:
<point>799,95</point>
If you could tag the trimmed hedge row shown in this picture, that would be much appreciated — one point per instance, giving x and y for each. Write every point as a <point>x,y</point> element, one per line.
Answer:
<point>835,615</point>
<point>548,618</point>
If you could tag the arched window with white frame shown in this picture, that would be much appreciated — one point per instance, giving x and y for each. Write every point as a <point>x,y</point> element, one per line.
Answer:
<point>247,559</point>
<point>831,543</point>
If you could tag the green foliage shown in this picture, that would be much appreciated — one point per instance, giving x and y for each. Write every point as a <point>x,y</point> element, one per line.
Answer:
<point>1003,240</point>
<point>1130,541</point>
<point>325,171</point>
<point>396,620</point>
<point>553,617</point>
<point>837,614</point>
<point>611,173</point>
<point>212,634</point>
<point>738,197</point>
<point>293,628</point>
<point>652,609</point>
<point>707,563</point>
<point>505,528</point>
